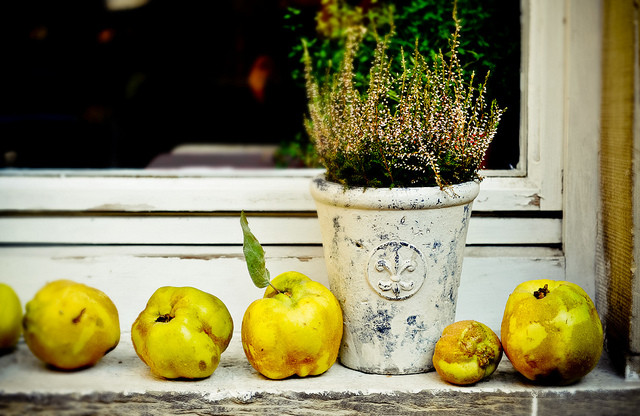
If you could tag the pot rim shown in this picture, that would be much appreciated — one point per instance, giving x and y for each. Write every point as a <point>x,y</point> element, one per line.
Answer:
<point>332,193</point>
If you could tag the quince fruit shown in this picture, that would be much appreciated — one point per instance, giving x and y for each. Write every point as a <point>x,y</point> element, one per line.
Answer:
<point>551,331</point>
<point>10,317</point>
<point>70,325</point>
<point>182,332</point>
<point>294,329</point>
<point>467,352</point>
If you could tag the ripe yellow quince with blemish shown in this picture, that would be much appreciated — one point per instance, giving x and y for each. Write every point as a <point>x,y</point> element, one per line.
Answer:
<point>551,331</point>
<point>70,325</point>
<point>10,317</point>
<point>296,330</point>
<point>182,332</point>
<point>467,352</point>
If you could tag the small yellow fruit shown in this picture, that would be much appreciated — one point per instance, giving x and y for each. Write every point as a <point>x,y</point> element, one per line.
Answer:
<point>70,325</point>
<point>182,332</point>
<point>297,331</point>
<point>551,331</point>
<point>467,352</point>
<point>10,317</point>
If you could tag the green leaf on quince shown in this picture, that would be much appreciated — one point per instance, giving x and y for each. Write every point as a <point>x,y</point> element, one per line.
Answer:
<point>254,256</point>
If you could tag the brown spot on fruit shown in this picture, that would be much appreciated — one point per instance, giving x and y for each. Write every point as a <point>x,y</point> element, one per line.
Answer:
<point>164,318</point>
<point>76,320</point>
<point>541,292</point>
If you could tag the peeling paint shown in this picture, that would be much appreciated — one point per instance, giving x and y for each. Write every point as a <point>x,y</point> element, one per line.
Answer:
<point>122,207</point>
<point>205,257</point>
<point>535,200</point>
<point>70,258</point>
<point>192,256</point>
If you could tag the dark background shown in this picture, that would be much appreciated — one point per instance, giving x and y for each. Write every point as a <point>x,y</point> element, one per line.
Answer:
<point>85,87</point>
<point>81,86</point>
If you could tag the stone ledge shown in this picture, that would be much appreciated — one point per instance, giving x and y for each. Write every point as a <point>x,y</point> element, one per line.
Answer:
<point>122,385</point>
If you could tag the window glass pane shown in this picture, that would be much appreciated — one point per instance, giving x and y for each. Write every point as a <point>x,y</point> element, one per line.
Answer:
<point>83,86</point>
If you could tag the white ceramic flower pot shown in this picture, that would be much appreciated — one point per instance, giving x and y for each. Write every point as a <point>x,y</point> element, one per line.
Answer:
<point>394,258</point>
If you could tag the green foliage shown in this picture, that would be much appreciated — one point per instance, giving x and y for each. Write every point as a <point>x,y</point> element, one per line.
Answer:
<point>428,21</point>
<point>254,256</point>
<point>297,152</point>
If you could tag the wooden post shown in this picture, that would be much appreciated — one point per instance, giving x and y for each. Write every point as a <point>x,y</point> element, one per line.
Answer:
<point>617,282</point>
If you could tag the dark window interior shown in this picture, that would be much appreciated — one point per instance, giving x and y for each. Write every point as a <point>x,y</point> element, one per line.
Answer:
<point>82,86</point>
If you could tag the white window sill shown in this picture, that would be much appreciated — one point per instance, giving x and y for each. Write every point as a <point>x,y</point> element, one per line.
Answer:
<point>122,384</point>
<point>207,190</point>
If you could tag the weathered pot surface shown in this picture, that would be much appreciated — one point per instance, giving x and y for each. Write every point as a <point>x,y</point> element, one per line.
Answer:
<point>394,259</point>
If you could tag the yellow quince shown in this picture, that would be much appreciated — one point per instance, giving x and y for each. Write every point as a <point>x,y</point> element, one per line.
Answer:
<point>551,331</point>
<point>10,317</point>
<point>294,330</point>
<point>70,325</point>
<point>182,332</point>
<point>467,352</point>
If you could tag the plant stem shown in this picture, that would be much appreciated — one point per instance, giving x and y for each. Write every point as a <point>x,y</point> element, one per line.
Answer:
<point>274,288</point>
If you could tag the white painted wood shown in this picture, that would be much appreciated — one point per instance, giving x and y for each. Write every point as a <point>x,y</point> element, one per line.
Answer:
<point>200,229</point>
<point>248,190</point>
<point>544,85</point>
<point>497,230</point>
<point>581,141</point>
<point>146,194</point>
<point>130,274</point>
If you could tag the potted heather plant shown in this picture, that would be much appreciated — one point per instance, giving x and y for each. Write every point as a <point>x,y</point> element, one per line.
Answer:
<point>402,161</point>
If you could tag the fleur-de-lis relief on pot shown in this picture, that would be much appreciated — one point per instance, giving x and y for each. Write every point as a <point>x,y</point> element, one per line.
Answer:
<point>395,282</point>
<point>396,270</point>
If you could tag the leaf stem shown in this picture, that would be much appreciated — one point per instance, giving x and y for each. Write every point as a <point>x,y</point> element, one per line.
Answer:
<point>274,288</point>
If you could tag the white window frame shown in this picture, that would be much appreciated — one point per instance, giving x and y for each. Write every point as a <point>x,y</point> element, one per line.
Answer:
<point>536,183</point>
